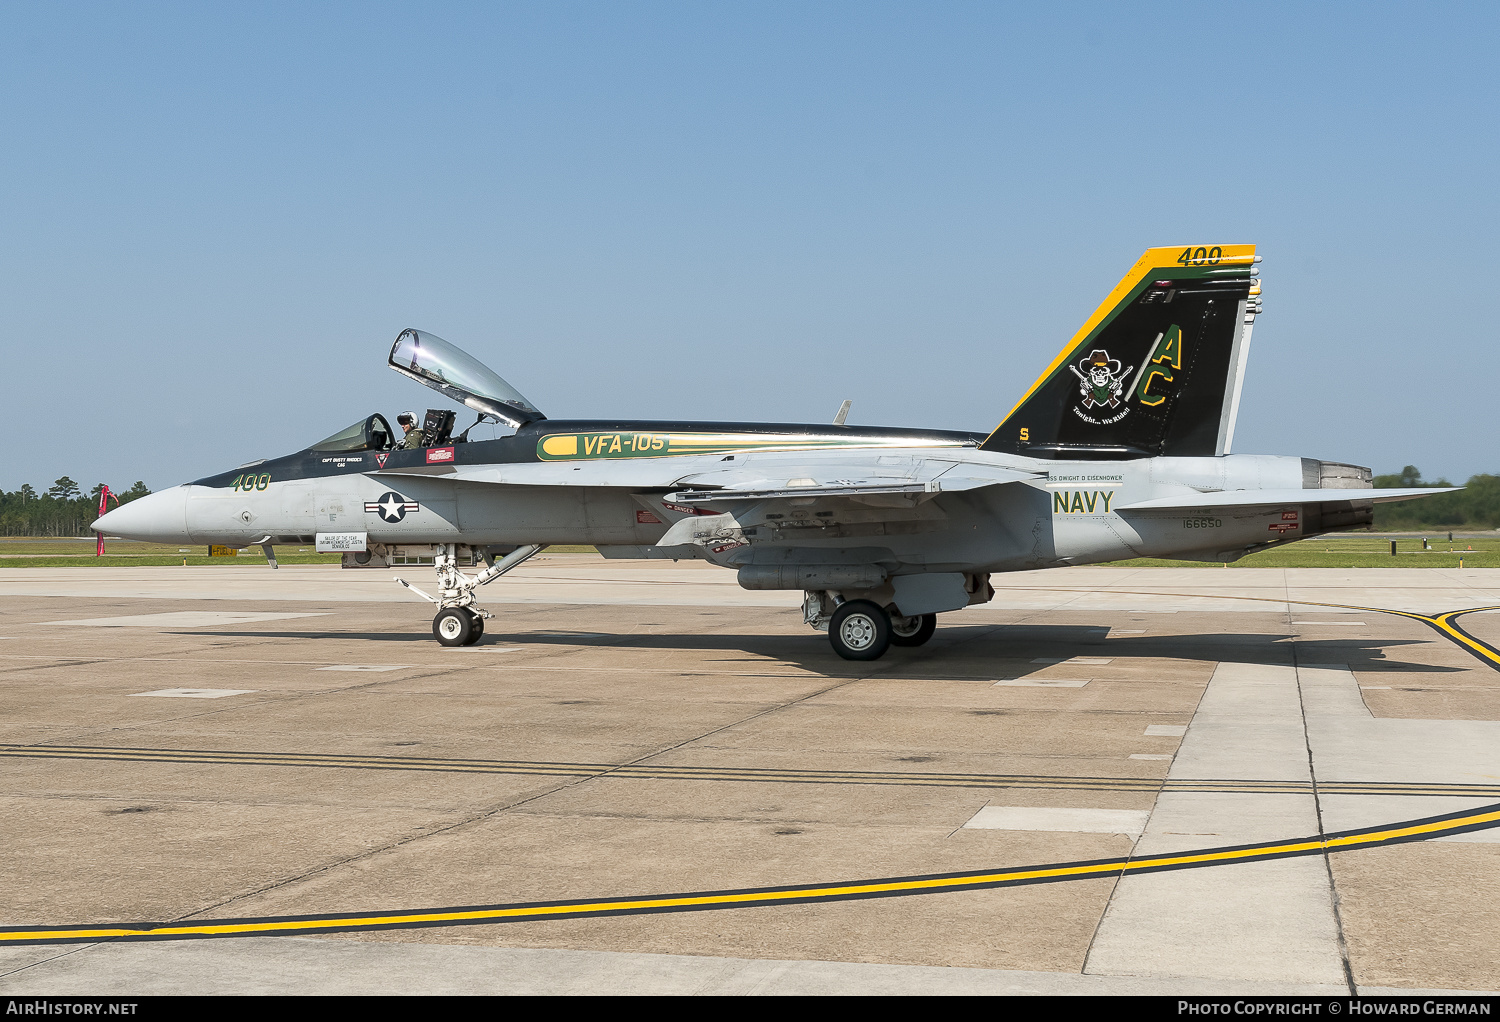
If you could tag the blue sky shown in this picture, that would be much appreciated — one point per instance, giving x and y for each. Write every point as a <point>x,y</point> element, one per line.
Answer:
<point>216,217</point>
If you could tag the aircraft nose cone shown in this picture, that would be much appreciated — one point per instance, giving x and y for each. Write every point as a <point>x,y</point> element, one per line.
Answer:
<point>155,518</point>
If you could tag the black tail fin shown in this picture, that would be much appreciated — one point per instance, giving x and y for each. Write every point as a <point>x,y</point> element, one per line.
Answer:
<point>1157,368</point>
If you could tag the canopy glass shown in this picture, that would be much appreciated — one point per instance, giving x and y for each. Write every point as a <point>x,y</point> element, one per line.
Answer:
<point>368,434</point>
<point>446,368</point>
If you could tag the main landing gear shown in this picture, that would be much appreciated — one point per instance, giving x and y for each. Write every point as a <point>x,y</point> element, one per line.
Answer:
<point>912,631</point>
<point>864,630</point>
<point>459,620</point>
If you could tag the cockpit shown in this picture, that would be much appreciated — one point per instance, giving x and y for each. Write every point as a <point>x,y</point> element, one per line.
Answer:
<point>452,372</point>
<point>372,434</point>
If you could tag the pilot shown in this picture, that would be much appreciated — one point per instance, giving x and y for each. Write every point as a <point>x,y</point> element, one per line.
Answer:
<point>408,422</point>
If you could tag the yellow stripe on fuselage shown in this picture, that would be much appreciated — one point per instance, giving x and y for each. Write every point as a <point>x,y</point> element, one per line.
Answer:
<point>646,444</point>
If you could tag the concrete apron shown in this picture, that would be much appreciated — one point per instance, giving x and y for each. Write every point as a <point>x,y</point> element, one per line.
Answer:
<point>1276,920</point>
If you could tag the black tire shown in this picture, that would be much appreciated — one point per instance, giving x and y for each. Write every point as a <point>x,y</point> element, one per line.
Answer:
<point>453,627</point>
<point>917,632</point>
<point>478,621</point>
<point>860,630</point>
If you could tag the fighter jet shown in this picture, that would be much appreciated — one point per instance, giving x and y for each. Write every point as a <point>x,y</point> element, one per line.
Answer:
<point>1120,449</point>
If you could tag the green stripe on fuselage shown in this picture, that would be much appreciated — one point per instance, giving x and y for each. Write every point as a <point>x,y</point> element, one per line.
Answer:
<point>629,444</point>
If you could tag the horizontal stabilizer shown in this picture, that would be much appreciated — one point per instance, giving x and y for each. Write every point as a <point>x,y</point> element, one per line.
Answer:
<point>1265,498</point>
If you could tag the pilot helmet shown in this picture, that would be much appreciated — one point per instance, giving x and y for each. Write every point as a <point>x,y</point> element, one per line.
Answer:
<point>406,417</point>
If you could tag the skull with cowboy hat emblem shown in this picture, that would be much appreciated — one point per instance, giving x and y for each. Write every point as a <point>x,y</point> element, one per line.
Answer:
<point>1101,379</point>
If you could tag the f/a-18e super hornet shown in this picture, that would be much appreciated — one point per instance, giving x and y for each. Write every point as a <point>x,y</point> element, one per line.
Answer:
<point>1120,449</point>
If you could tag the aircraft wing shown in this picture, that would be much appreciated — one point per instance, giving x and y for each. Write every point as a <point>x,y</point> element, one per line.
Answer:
<point>1264,498</point>
<point>809,473</point>
<point>811,503</point>
<point>848,488</point>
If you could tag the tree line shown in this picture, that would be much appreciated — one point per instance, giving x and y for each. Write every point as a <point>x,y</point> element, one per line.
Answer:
<point>1477,506</point>
<point>63,510</point>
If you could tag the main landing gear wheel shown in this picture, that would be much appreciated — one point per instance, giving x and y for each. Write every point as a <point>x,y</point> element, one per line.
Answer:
<point>860,630</point>
<point>912,631</point>
<point>454,627</point>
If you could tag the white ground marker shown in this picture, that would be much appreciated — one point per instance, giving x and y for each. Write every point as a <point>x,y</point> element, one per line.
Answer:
<point>197,693</point>
<point>364,667</point>
<point>179,619</point>
<point>1071,821</point>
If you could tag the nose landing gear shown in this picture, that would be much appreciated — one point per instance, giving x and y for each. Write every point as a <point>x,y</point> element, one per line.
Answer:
<point>458,626</point>
<point>459,621</point>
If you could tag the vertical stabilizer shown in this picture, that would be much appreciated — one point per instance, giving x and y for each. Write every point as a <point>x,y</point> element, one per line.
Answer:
<point>1156,370</point>
<point>1239,356</point>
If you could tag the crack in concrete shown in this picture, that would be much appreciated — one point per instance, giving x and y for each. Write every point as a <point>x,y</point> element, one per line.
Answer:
<point>1312,769</point>
<point>507,806</point>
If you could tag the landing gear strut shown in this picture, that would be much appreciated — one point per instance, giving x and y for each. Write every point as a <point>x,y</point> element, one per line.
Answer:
<point>459,620</point>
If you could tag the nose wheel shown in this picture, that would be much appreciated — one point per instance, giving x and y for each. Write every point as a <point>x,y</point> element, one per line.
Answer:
<point>457,626</point>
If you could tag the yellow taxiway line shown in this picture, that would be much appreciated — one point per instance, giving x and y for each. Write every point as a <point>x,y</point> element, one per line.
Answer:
<point>1444,622</point>
<point>1409,830</point>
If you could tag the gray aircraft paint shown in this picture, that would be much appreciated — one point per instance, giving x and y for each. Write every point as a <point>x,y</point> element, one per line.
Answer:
<point>1005,526</point>
<point>1089,466</point>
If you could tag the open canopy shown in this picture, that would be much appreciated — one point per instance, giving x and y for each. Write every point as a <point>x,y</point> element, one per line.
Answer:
<point>445,367</point>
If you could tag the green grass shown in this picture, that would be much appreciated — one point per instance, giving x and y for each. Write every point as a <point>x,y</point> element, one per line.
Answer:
<point>1356,550</point>
<point>34,552</point>
<point>181,560</point>
<point>1359,550</point>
